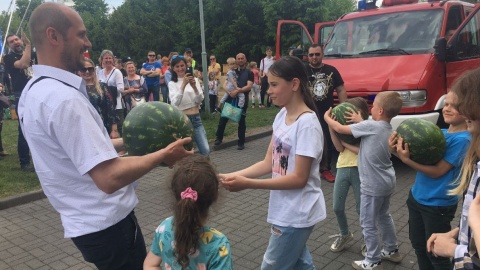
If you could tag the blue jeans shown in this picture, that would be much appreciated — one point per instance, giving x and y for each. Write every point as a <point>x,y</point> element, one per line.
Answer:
<point>345,178</point>
<point>165,97</point>
<point>199,134</point>
<point>287,249</point>
<point>155,89</point>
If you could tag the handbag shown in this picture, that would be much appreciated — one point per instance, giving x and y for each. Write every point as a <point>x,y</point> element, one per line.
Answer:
<point>111,89</point>
<point>231,111</point>
<point>137,100</point>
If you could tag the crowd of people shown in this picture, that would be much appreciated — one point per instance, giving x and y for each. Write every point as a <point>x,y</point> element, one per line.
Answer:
<point>93,188</point>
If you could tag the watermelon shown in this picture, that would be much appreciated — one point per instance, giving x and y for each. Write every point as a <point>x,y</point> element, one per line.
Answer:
<point>339,113</point>
<point>425,140</point>
<point>151,126</point>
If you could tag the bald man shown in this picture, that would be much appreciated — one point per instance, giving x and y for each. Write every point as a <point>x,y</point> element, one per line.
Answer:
<point>77,163</point>
<point>244,83</point>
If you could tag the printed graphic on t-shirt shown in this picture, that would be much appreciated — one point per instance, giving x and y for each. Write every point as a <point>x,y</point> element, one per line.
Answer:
<point>320,85</point>
<point>281,152</point>
<point>29,72</point>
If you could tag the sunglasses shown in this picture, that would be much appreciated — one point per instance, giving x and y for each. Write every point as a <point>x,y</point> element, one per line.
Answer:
<point>312,54</point>
<point>151,55</point>
<point>89,69</point>
<point>177,56</point>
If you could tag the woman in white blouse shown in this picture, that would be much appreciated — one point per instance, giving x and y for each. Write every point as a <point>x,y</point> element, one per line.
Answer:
<point>112,77</point>
<point>186,94</point>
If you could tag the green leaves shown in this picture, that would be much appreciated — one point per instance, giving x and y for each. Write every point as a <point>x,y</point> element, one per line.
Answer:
<point>231,26</point>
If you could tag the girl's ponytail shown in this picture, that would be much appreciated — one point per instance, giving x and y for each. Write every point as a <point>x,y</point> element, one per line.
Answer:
<point>195,187</point>
<point>187,224</point>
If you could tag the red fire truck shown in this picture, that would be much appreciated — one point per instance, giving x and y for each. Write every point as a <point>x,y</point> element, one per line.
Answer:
<point>399,47</point>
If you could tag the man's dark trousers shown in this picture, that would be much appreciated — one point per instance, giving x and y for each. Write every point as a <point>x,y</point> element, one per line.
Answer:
<point>22,147</point>
<point>242,127</point>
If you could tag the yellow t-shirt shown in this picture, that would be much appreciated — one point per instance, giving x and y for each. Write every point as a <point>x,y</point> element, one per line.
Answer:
<point>346,159</point>
<point>218,68</point>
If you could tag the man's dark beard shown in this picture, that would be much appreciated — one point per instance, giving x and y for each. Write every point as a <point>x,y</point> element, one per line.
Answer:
<point>18,49</point>
<point>317,66</point>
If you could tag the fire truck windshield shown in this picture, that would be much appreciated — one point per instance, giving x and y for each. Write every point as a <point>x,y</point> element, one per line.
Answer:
<point>412,32</point>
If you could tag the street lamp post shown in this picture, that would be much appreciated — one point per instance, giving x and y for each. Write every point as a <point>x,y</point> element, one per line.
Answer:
<point>204,60</point>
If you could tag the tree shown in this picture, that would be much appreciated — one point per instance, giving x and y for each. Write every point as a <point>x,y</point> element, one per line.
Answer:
<point>95,17</point>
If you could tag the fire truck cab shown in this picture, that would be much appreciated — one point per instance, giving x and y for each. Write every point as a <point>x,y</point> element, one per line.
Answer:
<point>416,49</point>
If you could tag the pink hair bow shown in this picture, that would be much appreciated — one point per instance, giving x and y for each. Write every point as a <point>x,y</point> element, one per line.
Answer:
<point>189,193</point>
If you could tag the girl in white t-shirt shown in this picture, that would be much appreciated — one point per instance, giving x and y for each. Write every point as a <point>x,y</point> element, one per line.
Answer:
<point>293,157</point>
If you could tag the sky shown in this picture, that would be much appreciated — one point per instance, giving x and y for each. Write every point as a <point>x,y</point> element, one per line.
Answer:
<point>4,4</point>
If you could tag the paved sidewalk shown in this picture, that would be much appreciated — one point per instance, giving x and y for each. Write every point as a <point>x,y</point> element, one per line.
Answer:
<point>31,235</point>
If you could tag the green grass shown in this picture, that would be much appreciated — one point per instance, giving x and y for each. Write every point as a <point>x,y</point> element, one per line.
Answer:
<point>14,181</point>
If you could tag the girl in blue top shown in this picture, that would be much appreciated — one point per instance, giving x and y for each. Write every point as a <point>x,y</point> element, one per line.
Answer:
<point>430,208</point>
<point>296,200</point>
<point>184,241</point>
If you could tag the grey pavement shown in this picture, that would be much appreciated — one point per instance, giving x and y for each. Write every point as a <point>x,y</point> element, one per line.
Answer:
<point>31,234</point>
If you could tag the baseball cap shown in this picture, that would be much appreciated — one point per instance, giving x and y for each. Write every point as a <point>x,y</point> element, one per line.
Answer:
<point>188,50</point>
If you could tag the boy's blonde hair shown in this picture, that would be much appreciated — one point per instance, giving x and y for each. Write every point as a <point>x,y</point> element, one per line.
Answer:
<point>253,64</point>
<point>390,102</point>
<point>230,60</point>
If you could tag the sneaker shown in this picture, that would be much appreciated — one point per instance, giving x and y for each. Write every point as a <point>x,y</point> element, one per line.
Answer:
<point>218,110</point>
<point>3,154</point>
<point>393,256</point>
<point>253,106</point>
<point>241,147</point>
<point>367,265</point>
<point>327,175</point>
<point>217,142</point>
<point>340,241</point>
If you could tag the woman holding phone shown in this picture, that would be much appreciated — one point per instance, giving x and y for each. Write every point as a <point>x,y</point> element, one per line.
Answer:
<point>186,94</point>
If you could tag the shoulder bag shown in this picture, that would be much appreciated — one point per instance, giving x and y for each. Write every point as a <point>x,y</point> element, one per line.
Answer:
<point>231,111</point>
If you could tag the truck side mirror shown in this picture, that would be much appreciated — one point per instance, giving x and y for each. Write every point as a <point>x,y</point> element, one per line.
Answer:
<point>440,49</point>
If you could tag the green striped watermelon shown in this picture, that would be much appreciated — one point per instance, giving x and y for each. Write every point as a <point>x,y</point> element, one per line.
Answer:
<point>339,113</point>
<point>151,126</point>
<point>425,140</point>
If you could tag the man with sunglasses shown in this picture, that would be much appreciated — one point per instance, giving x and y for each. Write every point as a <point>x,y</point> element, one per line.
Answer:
<point>324,79</point>
<point>152,70</point>
<point>18,64</point>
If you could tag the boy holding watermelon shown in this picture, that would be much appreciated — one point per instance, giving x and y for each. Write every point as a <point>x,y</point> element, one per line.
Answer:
<point>377,178</point>
<point>430,207</point>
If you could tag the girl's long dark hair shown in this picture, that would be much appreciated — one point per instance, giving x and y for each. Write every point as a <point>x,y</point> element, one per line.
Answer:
<point>290,67</point>
<point>175,61</point>
<point>195,172</point>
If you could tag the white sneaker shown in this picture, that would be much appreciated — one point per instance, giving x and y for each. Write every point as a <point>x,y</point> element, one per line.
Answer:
<point>360,265</point>
<point>393,256</point>
<point>340,241</point>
